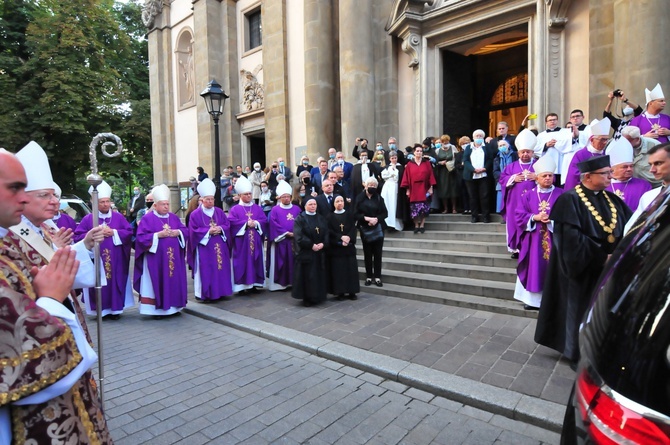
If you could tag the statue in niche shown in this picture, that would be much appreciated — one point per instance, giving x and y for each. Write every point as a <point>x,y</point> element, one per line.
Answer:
<point>188,75</point>
<point>253,92</point>
<point>150,10</point>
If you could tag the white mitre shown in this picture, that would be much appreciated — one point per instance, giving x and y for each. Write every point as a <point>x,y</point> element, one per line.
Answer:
<point>620,152</point>
<point>104,190</point>
<point>526,140</point>
<point>283,188</point>
<point>161,193</point>
<point>656,93</point>
<point>545,164</point>
<point>206,188</point>
<point>243,185</point>
<point>36,164</point>
<point>601,127</point>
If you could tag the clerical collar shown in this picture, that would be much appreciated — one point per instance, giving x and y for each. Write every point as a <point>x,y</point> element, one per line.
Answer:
<point>547,190</point>
<point>591,149</point>
<point>616,181</point>
<point>3,232</point>
<point>105,215</point>
<point>208,212</point>
<point>339,212</point>
<point>553,130</point>
<point>246,204</point>
<point>653,116</point>
<point>310,213</point>
<point>56,216</point>
<point>166,216</point>
<point>526,163</point>
<point>286,206</point>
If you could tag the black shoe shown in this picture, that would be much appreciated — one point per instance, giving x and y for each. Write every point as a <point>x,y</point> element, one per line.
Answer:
<point>487,220</point>
<point>473,219</point>
<point>307,303</point>
<point>340,297</point>
<point>378,282</point>
<point>528,307</point>
<point>243,292</point>
<point>416,230</point>
<point>515,255</point>
<point>159,317</point>
<point>353,297</point>
<point>114,316</point>
<point>422,230</point>
<point>368,281</point>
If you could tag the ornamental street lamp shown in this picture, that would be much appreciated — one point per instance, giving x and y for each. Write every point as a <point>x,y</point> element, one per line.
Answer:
<point>215,100</point>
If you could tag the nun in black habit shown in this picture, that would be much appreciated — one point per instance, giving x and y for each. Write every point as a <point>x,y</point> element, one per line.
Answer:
<point>588,224</point>
<point>310,240</point>
<point>343,271</point>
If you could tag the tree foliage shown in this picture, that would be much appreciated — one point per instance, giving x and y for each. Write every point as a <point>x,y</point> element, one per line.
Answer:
<point>71,70</point>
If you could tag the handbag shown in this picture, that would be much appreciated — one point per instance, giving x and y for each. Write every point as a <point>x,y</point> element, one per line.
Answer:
<point>451,165</point>
<point>371,234</point>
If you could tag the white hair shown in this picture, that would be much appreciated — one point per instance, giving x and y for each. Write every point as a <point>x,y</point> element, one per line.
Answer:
<point>372,181</point>
<point>631,131</point>
<point>476,132</point>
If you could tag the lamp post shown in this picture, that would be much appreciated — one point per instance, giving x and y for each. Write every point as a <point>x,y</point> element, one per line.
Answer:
<point>215,100</point>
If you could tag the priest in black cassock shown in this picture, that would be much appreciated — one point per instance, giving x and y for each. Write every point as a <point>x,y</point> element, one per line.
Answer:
<point>588,224</point>
<point>310,240</point>
<point>343,270</point>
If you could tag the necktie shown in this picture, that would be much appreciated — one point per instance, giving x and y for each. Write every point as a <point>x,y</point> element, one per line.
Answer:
<point>330,200</point>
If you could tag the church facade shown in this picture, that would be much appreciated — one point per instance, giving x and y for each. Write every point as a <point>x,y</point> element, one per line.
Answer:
<point>306,75</point>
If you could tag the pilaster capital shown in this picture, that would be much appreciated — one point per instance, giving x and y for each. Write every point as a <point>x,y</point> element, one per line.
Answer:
<point>557,11</point>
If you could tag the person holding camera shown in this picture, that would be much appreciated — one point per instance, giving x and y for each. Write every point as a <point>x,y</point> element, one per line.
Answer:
<point>628,111</point>
<point>362,147</point>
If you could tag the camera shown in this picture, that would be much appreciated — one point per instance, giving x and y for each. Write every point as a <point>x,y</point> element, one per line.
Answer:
<point>616,93</point>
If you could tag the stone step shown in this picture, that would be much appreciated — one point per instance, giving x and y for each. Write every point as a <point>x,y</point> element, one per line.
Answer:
<point>446,270</point>
<point>495,218</point>
<point>427,243</point>
<point>450,256</point>
<point>497,305</point>
<point>464,227</point>
<point>458,285</point>
<point>447,235</point>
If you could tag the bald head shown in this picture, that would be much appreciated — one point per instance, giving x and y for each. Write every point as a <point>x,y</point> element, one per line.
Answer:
<point>13,197</point>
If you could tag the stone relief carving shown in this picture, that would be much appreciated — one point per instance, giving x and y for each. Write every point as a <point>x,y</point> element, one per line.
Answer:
<point>253,92</point>
<point>150,10</point>
<point>187,75</point>
<point>412,47</point>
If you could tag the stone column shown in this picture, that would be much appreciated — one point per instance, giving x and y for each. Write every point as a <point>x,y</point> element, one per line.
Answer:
<point>641,58</point>
<point>275,75</point>
<point>319,77</point>
<point>357,81</point>
<point>162,104</point>
<point>215,55</point>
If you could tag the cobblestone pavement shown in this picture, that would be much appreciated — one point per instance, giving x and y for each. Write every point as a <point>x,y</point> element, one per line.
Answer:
<point>490,348</point>
<point>186,380</point>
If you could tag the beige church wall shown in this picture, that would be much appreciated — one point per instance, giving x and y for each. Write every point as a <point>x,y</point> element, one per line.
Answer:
<point>186,141</point>
<point>406,100</point>
<point>179,10</point>
<point>247,60</point>
<point>297,143</point>
<point>577,44</point>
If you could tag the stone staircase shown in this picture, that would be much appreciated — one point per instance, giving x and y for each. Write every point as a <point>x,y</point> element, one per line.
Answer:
<point>455,262</point>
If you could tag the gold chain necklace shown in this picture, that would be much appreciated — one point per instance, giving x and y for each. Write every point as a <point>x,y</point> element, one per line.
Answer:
<point>608,229</point>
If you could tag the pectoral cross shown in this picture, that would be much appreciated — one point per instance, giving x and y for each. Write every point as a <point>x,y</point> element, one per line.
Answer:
<point>317,230</point>
<point>212,223</point>
<point>166,226</point>
<point>341,227</point>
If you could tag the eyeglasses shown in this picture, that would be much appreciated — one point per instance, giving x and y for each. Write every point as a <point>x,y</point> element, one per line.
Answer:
<point>555,119</point>
<point>601,139</point>
<point>607,173</point>
<point>46,196</point>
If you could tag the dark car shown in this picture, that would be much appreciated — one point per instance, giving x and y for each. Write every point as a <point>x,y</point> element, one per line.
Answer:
<point>622,390</point>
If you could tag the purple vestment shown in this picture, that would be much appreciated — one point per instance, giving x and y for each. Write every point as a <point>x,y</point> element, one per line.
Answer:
<point>631,191</point>
<point>512,194</point>
<point>572,176</point>
<point>280,253</point>
<point>166,265</point>
<point>65,221</point>
<point>115,261</point>
<point>248,267</point>
<point>535,244</point>
<point>645,124</point>
<point>210,262</point>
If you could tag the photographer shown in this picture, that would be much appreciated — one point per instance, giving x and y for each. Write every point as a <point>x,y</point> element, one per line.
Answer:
<point>363,143</point>
<point>631,109</point>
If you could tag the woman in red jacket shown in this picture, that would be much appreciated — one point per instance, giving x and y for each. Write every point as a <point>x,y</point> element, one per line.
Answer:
<point>419,180</point>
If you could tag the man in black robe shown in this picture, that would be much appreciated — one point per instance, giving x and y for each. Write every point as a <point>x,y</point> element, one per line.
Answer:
<point>588,224</point>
